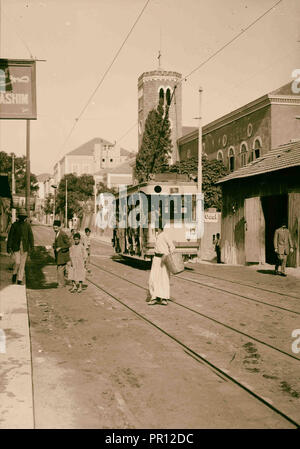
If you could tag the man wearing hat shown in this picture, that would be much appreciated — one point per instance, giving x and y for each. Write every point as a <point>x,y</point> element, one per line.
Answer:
<point>19,243</point>
<point>61,247</point>
<point>283,246</point>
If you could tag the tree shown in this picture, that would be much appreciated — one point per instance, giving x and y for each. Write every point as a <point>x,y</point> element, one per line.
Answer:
<point>49,203</point>
<point>102,188</point>
<point>212,171</point>
<point>20,172</point>
<point>80,190</point>
<point>155,150</point>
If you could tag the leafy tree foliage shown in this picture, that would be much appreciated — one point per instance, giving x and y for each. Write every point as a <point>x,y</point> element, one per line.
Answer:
<point>80,191</point>
<point>20,172</point>
<point>154,153</point>
<point>102,188</point>
<point>212,171</point>
<point>49,203</point>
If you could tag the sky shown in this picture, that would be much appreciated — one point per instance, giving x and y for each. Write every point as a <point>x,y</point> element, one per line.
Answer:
<point>79,39</point>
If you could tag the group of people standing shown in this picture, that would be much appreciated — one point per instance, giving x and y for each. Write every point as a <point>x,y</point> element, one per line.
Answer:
<point>72,255</point>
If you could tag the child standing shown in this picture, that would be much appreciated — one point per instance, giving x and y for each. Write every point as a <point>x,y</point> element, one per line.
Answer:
<point>87,246</point>
<point>78,258</point>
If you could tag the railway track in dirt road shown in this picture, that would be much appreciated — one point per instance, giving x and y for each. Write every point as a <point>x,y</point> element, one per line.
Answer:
<point>287,411</point>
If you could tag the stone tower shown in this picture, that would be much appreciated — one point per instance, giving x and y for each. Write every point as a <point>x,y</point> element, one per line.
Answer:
<point>151,87</point>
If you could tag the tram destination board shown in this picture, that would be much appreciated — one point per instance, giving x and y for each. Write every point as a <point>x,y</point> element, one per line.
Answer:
<point>17,89</point>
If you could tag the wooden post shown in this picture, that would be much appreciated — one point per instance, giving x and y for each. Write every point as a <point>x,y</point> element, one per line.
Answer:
<point>28,168</point>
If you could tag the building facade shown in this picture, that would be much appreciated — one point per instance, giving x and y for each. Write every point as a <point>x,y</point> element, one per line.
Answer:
<point>249,132</point>
<point>89,158</point>
<point>115,177</point>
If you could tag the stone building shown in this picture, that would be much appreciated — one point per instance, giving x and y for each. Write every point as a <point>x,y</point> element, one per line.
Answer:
<point>153,86</point>
<point>114,177</point>
<point>92,156</point>
<point>249,132</point>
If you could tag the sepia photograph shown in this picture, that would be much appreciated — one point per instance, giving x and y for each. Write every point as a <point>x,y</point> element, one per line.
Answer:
<point>150,218</point>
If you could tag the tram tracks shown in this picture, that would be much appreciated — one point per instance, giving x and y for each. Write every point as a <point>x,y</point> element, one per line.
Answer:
<point>197,312</point>
<point>241,295</point>
<point>192,352</point>
<point>288,295</point>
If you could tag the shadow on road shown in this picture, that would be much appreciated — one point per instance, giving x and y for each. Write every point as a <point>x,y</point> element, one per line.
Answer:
<point>266,272</point>
<point>139,264</point>
<point>40,269</point>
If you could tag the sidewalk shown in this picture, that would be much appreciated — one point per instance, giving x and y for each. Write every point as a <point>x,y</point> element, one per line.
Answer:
<point>16,401</point>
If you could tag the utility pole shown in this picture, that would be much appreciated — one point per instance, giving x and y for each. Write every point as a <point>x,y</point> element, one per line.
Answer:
<point>200,199</point>
<point>95,199</point>
<point>54,187</point>
<point>200,143</point>
<point>66,211</point>
<point>28,168</point>
<point>0,30</point>
<point>13,185</point>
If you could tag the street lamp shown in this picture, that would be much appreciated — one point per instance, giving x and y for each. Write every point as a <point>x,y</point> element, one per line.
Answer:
<point>54,187</point>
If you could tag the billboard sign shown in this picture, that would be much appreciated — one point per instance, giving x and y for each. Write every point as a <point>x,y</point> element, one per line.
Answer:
<point>17,89</point>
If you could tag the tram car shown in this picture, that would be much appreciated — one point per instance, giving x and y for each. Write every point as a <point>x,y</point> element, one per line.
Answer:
<point>169,199</point>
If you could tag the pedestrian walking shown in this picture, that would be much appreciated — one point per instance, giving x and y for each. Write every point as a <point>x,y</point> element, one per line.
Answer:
<point>78,257</point>
<point>87,246</point>
<point>61,247</point>
<point>159,280</point>
<point>283,246</point>
<point>218,247</point>
<point>20,242</point>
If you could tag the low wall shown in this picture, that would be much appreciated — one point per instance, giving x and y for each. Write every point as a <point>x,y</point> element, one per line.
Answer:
<point>211,228</point>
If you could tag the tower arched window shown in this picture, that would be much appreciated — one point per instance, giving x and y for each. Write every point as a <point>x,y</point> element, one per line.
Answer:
<point>168,96</point>
<point>161,95</point>
<point>244,154</point>
<point>231,159</point>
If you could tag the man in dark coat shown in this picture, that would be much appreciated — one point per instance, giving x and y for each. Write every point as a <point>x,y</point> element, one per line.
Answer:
<point>61,247</point>
<point>283,246</point>
<point>19,243</point>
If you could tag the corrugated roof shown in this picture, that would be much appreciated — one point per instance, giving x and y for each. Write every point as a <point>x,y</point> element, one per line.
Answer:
<point>285,156</point>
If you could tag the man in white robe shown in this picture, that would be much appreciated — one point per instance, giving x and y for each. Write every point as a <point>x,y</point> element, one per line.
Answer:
<point>159,280</point>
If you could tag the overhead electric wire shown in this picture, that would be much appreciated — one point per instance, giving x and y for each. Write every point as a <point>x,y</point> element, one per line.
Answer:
<point>232,40</point>
<point>104,75</point>
<point>18,35</point>
<point>127,132</point>
<point>209,59</point>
